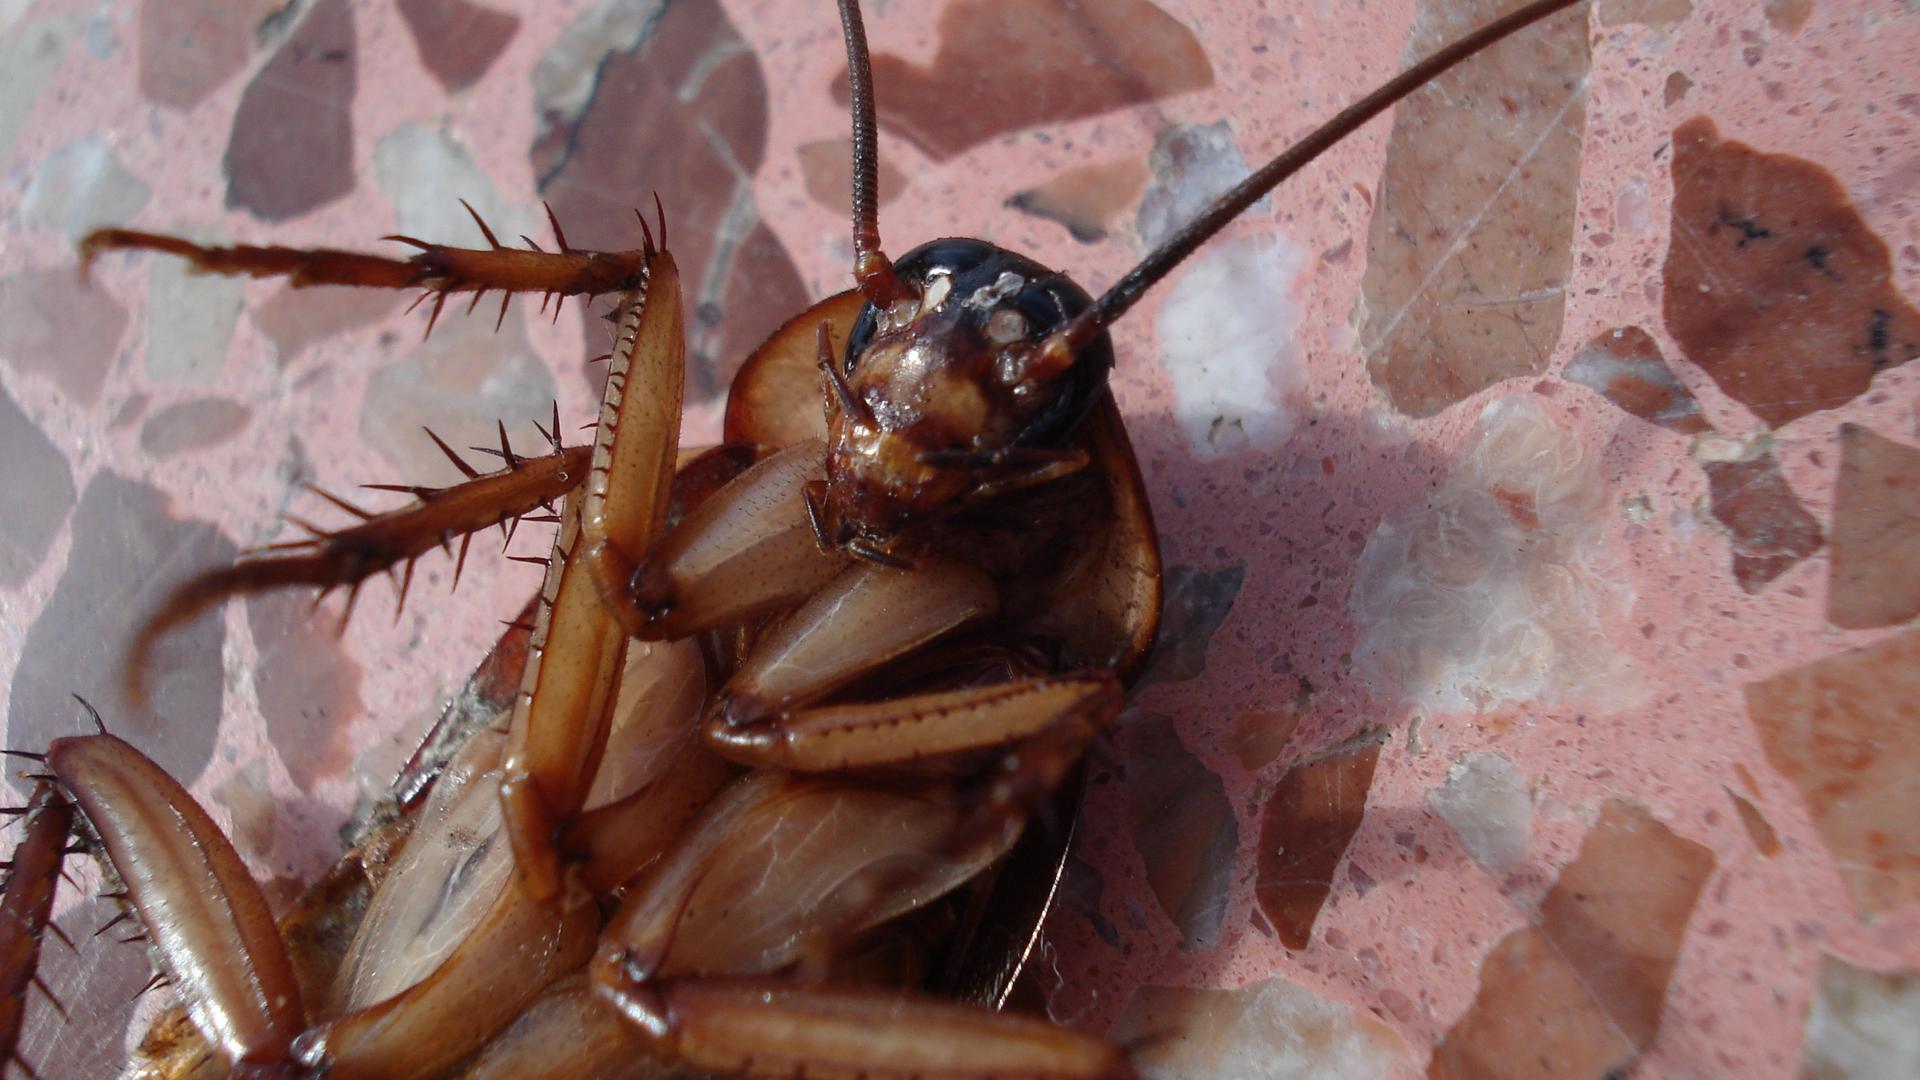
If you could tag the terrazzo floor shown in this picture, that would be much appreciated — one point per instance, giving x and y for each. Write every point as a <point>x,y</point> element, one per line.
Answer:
<point>1538,474</point>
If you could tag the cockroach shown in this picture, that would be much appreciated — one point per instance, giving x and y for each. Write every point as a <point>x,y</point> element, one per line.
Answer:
<point>916,599</point>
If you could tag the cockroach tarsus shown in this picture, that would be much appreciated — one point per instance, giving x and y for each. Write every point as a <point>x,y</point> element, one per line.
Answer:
<point>912,592</point>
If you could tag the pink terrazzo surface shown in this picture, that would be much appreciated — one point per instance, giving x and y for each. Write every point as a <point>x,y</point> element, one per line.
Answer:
<point>1264,527</point>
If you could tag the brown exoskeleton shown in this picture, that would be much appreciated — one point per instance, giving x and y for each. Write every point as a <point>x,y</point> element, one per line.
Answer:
<point>915,608</point>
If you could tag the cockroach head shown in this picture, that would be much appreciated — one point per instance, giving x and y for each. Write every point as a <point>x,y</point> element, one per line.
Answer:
<point>953,386</point>
<point>971,366</point>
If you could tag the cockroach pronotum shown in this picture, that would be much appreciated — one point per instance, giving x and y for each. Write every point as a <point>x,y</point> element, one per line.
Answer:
<point>935,451</point>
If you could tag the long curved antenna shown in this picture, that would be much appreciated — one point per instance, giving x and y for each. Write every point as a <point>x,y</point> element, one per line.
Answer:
<point>1063,343</point>
<point>871,267</point>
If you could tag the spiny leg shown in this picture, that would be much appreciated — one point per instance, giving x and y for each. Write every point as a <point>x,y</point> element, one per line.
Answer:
<point>573,671</point>
<point>346,558</point>
<point>209,924</point>
<point>27,909</point>
<point>438,269</point>
<point>917,727</point>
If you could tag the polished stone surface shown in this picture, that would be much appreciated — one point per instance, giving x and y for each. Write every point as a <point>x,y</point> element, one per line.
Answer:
<point>1535,473</point>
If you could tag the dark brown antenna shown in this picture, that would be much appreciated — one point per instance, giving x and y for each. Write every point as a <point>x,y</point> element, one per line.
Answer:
<point>1069,339</point>
<point>871,268</point>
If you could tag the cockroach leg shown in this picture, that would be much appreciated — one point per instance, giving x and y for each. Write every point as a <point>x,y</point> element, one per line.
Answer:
<point>861,619</point>
<point>744,554</point>
<point>614,843</point>
<point>902,730</point>
<point>210,930</point>
<point>437,269</point>
<point>561,714</point>
<point>345,558</point>
<point>570,1031</point>
<point>772,1028</point>
<point>435,890</point>
<point>560,722</point>
<point>27,908</point>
